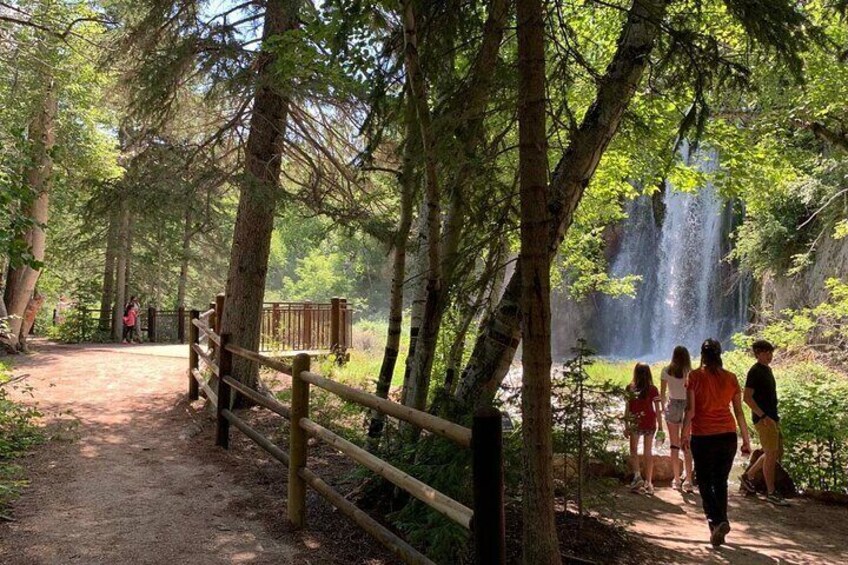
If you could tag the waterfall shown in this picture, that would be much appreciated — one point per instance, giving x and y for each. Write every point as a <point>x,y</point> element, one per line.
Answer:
<point>687,292</point>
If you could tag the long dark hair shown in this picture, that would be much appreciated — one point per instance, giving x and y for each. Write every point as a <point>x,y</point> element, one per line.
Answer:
<point>711,355</point>
<point>681,362</point>
<point>642,380</point>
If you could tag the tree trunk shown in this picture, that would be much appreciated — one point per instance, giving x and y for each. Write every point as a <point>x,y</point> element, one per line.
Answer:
<point>419,382</point>
<point>121,255</point>
<point>407,186</point>
<point>258,198</point>
<point>496,342</point>
<point>109,270</point>
<point>468,312</point>
<point>30,314</point>
<point>540,544</point>
<point>419,298</point>
<point>128,256</point>
<point>184,258</point>
<point>468,117</point>
<point>38,175</point>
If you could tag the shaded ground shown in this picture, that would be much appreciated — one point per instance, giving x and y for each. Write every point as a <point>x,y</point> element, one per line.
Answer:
<point>806,532</point>
<point>138,479</point>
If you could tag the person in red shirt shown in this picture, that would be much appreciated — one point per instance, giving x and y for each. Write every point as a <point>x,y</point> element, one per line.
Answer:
<point>642,417</point>
<point>709,430</point>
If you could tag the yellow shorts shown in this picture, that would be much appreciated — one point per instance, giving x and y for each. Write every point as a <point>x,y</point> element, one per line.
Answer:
<point>770,437</point>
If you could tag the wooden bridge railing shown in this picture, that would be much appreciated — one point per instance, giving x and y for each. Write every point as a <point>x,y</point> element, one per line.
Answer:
<point>315,327</point>
<point>306,326</point>
<point>485,520</point>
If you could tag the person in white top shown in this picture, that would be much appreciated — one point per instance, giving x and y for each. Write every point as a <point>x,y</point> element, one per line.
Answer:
<point>673,396</point>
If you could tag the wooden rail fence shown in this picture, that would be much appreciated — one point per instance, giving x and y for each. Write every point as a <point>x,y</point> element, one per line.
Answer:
<point>486,519</point>
<point>314,327</point>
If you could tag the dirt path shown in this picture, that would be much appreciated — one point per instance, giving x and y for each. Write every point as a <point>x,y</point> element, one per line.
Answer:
<point>806,532</point>
<point>131,486</point>
<point>136,480</point>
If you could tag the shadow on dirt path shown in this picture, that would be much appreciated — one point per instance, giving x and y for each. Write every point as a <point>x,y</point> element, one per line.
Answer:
<point>806,532</point>
<point>130,486</point>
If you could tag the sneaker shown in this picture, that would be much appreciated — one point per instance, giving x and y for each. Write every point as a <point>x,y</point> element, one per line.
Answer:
<point>675,484</point>
<point>746,484</point>
<point>687,487</point>
<point>648,489</point>
<point>718,534</point>
<point>777,500</point>
<point>637,484</point>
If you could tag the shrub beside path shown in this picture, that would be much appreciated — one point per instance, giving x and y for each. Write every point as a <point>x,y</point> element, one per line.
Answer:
<point>129,485</point>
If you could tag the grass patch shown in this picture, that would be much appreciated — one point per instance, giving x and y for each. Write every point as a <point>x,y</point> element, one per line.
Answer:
<point>366,357</point>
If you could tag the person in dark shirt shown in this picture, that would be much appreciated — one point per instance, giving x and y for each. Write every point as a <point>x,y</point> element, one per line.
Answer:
<point>761,398</point>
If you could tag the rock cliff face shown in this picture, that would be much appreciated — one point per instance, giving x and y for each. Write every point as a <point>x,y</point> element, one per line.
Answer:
<point>779,292</point>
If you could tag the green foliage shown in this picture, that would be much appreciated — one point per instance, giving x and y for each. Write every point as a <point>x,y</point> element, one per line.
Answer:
<point>80,325</point>
<point>366,357</point>
<point>825,325</point>
<point>18,434</point>
<point>587,419</point>
<point>814,422</point>
<point>447,468</point>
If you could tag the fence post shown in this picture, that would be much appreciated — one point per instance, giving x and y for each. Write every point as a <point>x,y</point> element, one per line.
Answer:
<point>151,324</point>
<point>181,324</point>
<point>219,311</point>
<point>488,524</point>
<point>193,335</point>
<point>297,442</point>
<point>307,325</point>
<point>210,321</point>
<point>225,367</point>
<point>344,334</point>
<point>335,326</point>
<point>275,324</point>
<point>83,323</point>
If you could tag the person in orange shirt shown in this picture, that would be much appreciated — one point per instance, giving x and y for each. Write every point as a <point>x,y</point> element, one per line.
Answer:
<point>709,430</point>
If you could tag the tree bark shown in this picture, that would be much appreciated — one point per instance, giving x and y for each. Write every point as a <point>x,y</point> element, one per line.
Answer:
<point>38,175</point>
<point>128,256</point>
<point>122,253</point>
<point>109,270</point>
<point>468,116</point>
<point>31,312</point>
<point>419,382</point>
<point>540,544</point>
<point>407,186</point>
<point>184,258</point>
<point>257,201</point>
<point>496,342</point>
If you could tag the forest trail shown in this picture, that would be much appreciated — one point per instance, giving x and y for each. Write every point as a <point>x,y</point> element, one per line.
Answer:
<point>127,482</point>
<point>806,532</point>
<point>128,485</point>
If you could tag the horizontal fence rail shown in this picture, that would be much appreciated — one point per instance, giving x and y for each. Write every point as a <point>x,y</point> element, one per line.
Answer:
<point>485,520</point>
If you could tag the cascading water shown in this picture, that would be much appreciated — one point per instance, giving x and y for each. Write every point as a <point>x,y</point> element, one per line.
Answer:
<point>687,292</point>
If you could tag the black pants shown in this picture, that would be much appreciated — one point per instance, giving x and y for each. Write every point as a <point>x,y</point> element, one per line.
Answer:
<point>129,332</point>
<point>713,457</point>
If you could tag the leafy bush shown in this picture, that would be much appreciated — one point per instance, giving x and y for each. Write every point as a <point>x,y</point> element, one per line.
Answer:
<point>79,326</point>
<point>18,433</point>
<point>814,421</point>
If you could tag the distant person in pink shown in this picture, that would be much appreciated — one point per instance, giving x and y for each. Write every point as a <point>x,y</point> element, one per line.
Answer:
<point>130,320</point>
